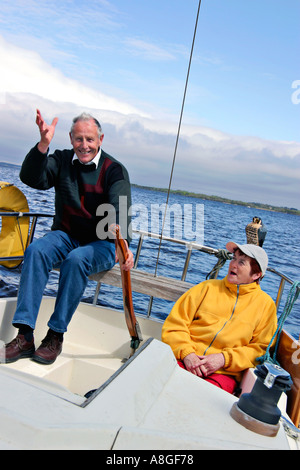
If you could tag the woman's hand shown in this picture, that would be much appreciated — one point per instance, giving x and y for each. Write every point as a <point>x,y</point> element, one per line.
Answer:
<point>204,365</point>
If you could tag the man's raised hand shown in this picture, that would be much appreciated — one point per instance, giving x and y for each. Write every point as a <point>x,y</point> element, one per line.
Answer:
<point>47,131</point>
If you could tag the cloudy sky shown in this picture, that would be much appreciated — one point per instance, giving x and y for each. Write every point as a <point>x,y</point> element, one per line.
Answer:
<point>126,61</point>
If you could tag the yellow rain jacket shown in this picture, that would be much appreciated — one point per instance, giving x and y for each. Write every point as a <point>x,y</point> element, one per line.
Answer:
<point>216,316</point>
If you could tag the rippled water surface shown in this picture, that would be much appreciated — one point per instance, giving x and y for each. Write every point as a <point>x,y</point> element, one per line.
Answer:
<point>222,222</point>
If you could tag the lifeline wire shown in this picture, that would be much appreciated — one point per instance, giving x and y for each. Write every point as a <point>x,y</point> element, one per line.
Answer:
<point>178,133</point>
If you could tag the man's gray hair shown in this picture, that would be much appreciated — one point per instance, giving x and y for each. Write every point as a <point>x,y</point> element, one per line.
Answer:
<point>86,117</point>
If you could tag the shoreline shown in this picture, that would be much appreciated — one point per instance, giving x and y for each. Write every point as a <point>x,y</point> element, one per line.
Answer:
<point>255,205</point>
<point>182,192</point>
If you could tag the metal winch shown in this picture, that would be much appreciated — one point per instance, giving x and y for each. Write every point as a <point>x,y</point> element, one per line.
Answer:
<point>258,410</point>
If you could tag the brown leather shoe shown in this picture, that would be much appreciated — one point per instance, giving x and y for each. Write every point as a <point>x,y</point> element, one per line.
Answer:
<point>18,348</point>
<point>48,351</point>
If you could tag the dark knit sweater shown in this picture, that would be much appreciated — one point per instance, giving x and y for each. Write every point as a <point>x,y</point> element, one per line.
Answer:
<point>80,190</point>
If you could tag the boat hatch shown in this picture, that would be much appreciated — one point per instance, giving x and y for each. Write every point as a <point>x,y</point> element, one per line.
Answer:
<point>78,381</point>
<point>93,353</point>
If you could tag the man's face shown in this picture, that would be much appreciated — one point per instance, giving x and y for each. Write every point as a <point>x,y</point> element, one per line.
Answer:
<point>239,271</point>
<point>85,140</point>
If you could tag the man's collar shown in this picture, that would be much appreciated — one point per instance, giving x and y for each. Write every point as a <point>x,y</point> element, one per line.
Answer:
<point>94,161</point>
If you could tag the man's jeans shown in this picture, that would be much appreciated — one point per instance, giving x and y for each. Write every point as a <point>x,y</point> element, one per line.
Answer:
<point>76,263</point>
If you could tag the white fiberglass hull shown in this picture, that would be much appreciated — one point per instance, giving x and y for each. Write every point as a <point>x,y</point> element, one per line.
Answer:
<point>147,402</point>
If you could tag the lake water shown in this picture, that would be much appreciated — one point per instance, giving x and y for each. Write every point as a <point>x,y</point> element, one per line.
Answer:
<point>222,223</point>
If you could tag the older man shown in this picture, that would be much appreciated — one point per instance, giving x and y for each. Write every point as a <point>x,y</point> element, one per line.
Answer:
<point>88,182</point>
<point>218,328</point>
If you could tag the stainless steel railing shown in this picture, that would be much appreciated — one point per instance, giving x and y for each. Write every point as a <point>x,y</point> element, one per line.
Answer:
<point>205,249</point>
<point>190,246</point>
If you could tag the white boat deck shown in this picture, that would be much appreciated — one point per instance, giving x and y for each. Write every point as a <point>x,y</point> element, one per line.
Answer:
<point>147,402</point>
<point>96,346</point>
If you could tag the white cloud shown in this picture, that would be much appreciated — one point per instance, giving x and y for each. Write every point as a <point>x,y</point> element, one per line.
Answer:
<point>208,160</point>
<point>147,50</point>
<point>25,71</point>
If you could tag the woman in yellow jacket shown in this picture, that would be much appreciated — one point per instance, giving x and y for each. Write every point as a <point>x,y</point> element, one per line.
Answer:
<point>219,327</point>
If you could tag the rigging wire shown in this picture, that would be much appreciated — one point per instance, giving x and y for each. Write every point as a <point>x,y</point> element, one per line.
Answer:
<point>177,137</point>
